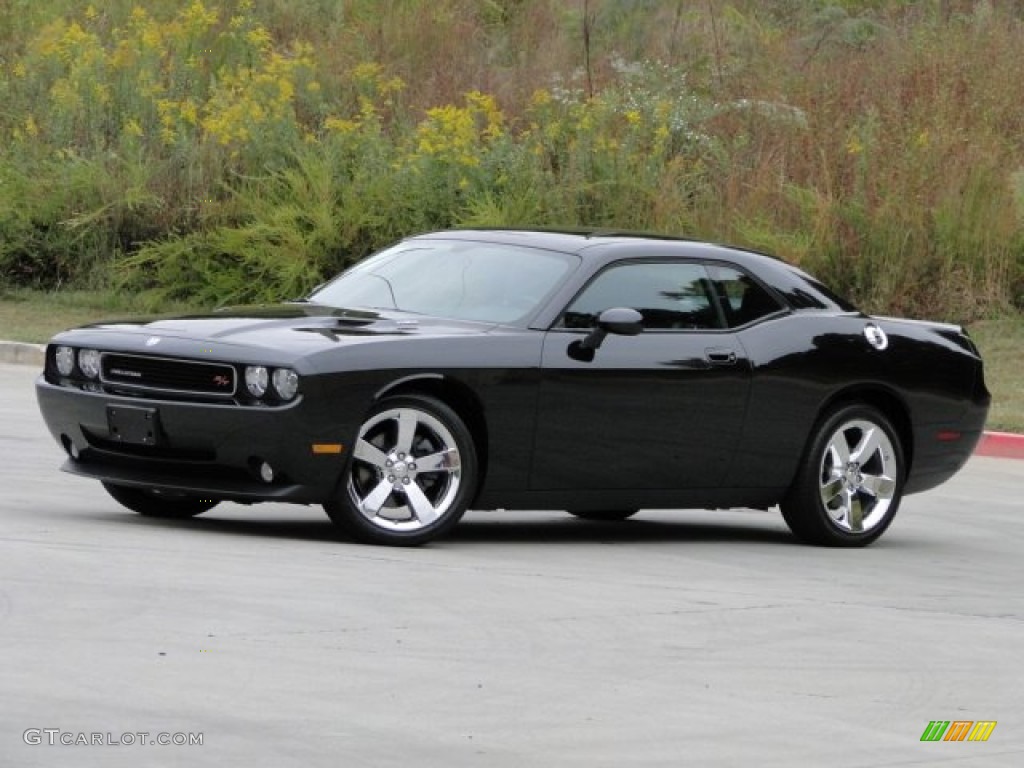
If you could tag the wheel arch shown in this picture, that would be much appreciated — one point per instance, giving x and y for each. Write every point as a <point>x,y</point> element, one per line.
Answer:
<point>456,395</point>
<point>892,406</point>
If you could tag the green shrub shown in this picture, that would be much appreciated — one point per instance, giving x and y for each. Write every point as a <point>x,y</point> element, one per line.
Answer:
<point>242,150</point>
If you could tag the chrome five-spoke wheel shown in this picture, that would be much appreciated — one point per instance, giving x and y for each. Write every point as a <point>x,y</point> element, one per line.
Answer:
<point>410,475</point>
<point>849,487</point>
<point>858,476</point>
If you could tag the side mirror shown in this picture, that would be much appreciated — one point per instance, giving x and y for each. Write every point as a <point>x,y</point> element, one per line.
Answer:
<point>622,321</point>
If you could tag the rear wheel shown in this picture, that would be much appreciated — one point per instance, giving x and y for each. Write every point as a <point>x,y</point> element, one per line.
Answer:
<point>849,487</point>
<point>153,503</point>
<point>412,472</point>
<point>603,515</point>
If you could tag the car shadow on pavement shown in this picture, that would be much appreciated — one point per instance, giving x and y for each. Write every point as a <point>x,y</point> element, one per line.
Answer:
<point>503,528</point>
<point>559,530</point>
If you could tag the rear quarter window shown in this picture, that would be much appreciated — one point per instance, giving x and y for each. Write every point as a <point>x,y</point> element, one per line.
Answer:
<point>743,299</point>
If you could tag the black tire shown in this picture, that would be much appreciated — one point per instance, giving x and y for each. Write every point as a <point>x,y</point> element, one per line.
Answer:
<point>410,476</point>
<point>850,482</point>
<point>152,503</point>
<point>603,515</point>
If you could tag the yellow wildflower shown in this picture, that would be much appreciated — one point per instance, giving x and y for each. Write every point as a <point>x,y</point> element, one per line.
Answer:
<point>366,72</point>
<point>198,17</point>
<point>187,110</point>
<point>340,125</point>
<point>151,36</point>
<point>259,37</point>
<point>540,98</point>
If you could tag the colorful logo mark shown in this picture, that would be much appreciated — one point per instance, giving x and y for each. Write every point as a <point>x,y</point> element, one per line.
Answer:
<point>958,730</point>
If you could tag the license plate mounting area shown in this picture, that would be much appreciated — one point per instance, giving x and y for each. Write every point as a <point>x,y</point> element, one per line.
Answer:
<point>133,425</point>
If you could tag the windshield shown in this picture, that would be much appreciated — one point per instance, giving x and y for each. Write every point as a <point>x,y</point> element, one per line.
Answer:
<point>488,282</point>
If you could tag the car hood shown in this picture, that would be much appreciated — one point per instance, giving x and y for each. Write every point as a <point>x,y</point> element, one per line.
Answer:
<point>300,327</point>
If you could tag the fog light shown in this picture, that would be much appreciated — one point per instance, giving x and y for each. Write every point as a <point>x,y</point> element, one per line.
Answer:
<point>89,362</point>
<point>65,360</point>
<point>256,378</point>
<point>266,473</point>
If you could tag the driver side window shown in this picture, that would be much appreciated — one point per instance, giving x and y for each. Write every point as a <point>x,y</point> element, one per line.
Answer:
<point>669,296</point>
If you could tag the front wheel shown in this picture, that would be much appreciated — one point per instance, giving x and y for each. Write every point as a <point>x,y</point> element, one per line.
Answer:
<point>849,487</point>
<point>411,475</point>
<point>153,503</point>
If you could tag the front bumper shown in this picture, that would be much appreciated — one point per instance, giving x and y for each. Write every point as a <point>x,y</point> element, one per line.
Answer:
<point>202,448</point>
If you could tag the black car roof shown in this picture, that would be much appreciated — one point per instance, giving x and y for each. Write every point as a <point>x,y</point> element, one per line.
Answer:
<point>594,242</point>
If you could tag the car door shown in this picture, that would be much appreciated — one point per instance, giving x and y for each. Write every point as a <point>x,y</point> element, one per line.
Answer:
<point>657,411</point>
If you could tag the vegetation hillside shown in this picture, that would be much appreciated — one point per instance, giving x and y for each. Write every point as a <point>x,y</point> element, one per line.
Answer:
<point>240,150</point>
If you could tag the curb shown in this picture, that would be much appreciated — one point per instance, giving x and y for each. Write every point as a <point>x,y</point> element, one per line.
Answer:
<point>21,353</point>
<point>1000,445</point>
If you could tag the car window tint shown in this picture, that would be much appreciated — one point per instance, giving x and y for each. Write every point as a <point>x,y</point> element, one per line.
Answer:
<point>669,296</point>
<point>743,300</point>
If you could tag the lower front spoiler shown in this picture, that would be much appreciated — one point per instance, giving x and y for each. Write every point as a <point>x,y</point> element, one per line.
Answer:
<point>212,450</point>
<point>226,489</point>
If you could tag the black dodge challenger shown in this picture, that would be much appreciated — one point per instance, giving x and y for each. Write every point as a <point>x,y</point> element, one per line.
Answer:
<point>594,372</point>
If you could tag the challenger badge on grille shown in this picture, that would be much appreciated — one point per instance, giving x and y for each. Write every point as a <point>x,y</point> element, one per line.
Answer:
<point>165,374</point>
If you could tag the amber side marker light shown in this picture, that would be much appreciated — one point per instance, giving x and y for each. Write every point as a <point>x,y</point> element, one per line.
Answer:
<point>327,447</point>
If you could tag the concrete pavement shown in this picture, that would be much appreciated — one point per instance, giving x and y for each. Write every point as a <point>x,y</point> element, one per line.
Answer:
<point>530,639</point>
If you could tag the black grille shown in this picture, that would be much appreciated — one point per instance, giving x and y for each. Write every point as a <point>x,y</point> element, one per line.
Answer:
<point>162,374</point>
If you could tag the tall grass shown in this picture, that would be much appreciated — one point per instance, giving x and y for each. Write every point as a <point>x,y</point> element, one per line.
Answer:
<point>242,150</point>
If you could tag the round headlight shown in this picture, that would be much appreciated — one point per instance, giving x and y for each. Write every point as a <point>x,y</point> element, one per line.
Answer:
<point>89,362</point>
<point>256,378</point>
<point>286,383</point>
<point>65,360</point>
